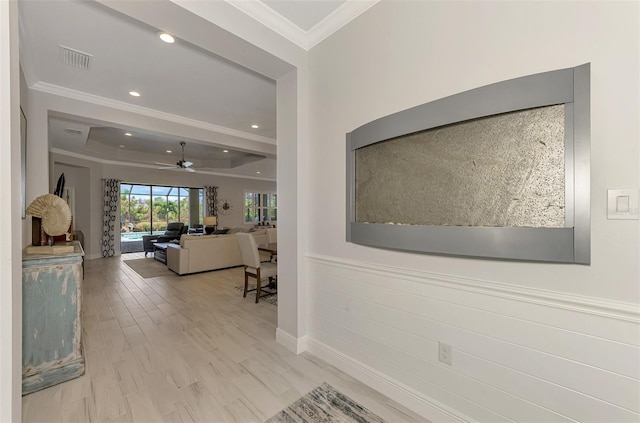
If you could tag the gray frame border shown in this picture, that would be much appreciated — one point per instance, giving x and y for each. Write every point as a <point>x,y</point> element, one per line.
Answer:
<point>570,244</point>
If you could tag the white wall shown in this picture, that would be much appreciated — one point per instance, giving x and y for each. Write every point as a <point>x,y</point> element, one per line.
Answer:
<point>288,331</point>
<point>10,214</point>
<point>78,178</point>
<point>532,341</point>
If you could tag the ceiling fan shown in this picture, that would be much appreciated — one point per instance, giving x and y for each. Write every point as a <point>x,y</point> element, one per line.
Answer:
<point>181,164</point>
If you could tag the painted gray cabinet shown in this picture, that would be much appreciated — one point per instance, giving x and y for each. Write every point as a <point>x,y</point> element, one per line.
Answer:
<point>51,325</point>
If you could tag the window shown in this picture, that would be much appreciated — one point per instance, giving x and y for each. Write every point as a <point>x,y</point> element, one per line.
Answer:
<point>260,207</point>
<point>150,208</point>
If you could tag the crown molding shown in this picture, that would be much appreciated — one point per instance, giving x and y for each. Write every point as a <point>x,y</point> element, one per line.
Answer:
<point>337,19</point>
<point>269,18</point>
<point>262,13</point>
<point>146,166</point>
<point>132,108</point>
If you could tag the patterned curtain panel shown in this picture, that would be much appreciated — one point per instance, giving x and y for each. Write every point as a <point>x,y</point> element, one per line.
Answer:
<point>211,195</point>
<point>111,196</point>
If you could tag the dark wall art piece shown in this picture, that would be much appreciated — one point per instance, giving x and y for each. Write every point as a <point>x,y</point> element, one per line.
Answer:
<point>501,171</point>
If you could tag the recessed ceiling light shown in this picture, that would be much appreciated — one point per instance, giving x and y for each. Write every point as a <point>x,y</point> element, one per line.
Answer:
<point>225,151</point>
<point>167,38</point>
<point>121,145</point>
<point>134,93</point>
<point>169,151</point>
<point>254,126</point>
<point>258,172</point>
<point>128,134</point>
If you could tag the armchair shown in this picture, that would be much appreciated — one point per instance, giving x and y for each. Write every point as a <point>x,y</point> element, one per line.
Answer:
<point>174,231</point>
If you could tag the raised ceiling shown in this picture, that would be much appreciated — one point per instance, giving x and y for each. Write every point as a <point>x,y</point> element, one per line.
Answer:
<point>307,14</point>
<point>179,81</point>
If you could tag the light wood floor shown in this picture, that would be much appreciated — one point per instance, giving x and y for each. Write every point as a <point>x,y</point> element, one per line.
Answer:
<point>185,349</point>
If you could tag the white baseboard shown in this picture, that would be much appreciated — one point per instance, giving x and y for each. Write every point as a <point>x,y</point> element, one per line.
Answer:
<point>410,398</point>
<point>290,342</point>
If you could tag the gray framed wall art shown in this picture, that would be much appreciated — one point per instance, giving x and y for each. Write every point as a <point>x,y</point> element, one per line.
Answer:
<point>501,171</point>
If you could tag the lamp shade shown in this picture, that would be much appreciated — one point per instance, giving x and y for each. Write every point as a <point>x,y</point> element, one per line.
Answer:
<point>210,221</point>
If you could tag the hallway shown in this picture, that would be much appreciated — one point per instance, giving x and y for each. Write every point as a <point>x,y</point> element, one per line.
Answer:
<point>182,349</point>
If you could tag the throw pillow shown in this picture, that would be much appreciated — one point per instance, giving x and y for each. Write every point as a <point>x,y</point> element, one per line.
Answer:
<point>220,231</point>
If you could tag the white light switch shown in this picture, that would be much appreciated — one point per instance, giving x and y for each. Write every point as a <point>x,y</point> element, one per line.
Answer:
<point>622,204</point>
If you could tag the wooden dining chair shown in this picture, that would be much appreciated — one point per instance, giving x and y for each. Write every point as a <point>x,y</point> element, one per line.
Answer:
<point>254,268</point>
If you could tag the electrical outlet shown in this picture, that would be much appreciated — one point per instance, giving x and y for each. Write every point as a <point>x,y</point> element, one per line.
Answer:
<point>445,353</point>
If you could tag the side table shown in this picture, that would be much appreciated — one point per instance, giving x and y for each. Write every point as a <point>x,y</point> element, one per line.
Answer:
<point>51,318</point>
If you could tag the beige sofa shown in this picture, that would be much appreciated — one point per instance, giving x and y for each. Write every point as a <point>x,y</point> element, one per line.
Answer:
<point>207,252</point>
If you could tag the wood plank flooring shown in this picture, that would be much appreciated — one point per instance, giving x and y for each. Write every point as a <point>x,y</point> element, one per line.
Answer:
<point>185,349</point>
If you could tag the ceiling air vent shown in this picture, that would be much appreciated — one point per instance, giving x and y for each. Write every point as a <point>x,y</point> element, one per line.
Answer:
<point>73,131</point>
<point>75,58</point>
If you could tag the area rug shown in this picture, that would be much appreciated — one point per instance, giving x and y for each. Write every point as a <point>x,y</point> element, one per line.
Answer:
<point>148,268</point>
<point>271,299</point>
<point>325,404</point>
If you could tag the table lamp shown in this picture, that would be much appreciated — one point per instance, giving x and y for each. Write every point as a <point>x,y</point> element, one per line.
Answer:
<point>210,223</point>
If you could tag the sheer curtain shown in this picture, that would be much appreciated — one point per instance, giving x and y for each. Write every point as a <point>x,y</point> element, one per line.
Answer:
<point>110,199</point>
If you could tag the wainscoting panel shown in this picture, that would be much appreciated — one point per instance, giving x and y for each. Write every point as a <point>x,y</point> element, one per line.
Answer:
<point>518,354</point>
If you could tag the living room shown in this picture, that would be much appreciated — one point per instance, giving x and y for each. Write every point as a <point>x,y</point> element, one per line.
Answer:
<point>86,177</point>
<point>531,341</point>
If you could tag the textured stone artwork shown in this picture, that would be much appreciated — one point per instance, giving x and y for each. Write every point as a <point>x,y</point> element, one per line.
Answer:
<point>502,170</point>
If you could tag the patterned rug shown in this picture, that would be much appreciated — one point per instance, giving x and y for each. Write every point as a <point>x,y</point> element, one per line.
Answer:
<point>271,299</point>
<point>325,404</point>
<point>149,268</point>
